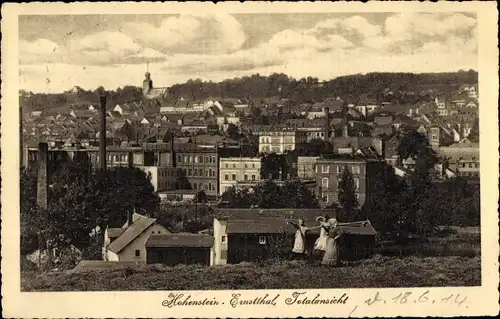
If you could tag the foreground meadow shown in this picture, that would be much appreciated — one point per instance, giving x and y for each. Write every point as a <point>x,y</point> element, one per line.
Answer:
<point>378,271</point>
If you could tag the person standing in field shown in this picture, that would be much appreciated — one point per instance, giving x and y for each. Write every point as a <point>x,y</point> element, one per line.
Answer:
<point>331,256</point>
<point>320,244</point>
<point>299,250</point>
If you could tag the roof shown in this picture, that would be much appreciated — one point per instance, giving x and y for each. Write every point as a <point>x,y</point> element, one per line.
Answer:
<point>139,225</point>
<point>278,225</point>
<point>259,226</point>
<point>180,240</point>
<point>114,232</point>
<point>253,214</point>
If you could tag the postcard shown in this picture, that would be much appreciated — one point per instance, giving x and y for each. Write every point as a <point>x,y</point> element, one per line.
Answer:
<point>249,159</point>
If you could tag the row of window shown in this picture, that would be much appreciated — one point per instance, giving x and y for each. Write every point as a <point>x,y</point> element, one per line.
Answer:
<point>324,197</point>
<point>233,177</point>
<point>262,239</point>
<point>199,173</point>
<point>201,186</point>
<point>233,165</point>
<point>168,173</point>
<point>469,165</point>
<point>196,159</point>
<point>167,185</point>
<point>325,182</point>
<point>326,169</point>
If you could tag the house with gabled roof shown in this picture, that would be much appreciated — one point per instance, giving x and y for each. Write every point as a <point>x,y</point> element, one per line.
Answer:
<point>128,243</point>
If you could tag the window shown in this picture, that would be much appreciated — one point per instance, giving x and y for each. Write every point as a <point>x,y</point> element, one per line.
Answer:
<point>356,170</point>
<point>137,253</point>
<point>201,159</point>
<point>189,172</point>
<point>195,172</point>
<point>234,177</point>
<point>179,158</point>
<point>324,198</point>
<point>195,186</point>
<point>253,165</point>
<point>245,177</point>
<point>223,238</point>
<point>246,165</point>
<point>339,170</point>
<point>234,165</point>
<point>206,159</point>
<point>324,182</point>
<point>206,173</point>
<point>201,172</point>
<point>196,159</point>
<point>226,177</point>
<point>227,165</point>
<point>253,177</point>
<point>262,240</point>
<point>356,182</point>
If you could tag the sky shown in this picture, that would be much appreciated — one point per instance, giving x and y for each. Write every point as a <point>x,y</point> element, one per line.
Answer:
<point>58,52</point>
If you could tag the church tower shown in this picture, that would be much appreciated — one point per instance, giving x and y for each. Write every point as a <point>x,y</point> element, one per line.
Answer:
<point>147,84</point>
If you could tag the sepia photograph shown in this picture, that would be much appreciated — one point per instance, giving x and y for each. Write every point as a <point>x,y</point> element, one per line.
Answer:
<point>212,150</point>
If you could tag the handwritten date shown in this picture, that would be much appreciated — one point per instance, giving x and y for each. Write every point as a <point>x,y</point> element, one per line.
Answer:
<point>409,297</point>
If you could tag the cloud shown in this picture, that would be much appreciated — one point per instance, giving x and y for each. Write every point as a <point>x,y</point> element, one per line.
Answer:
<point>103,48</point>
<point>209,47</point>
<point>353,26</point>
<point>202,34</point>
<point>404,26</point>
<point>40,50</point>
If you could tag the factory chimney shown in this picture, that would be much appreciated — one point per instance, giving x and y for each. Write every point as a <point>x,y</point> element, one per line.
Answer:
<point>102,142</point>
<point>43,179</point>
<point>327,124</point>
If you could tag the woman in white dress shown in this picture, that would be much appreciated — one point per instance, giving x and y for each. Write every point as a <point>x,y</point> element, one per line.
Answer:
<point>320,244</point>
<point>299,247</point>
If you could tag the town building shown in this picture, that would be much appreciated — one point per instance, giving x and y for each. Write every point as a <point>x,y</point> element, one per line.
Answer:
<point>238,172</point>
<point>329,173</point>
<point>128,243</point>
<point>164,178</point>
<point>461,158</point>
<point>306,167</point>
<point>258,234</point>
<point>175,249</point>
<point>280,141</point>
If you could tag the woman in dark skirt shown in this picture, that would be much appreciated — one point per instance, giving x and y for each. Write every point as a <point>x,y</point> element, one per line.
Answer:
<point>331,256</point>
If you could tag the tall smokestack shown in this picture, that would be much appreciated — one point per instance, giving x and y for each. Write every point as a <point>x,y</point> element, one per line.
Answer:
<point>327,124</point>
<point>43,180</point>
<point>102,144</point>
<point>172,152</point>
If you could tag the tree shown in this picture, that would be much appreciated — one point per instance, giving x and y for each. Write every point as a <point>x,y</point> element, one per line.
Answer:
<point>233,131</point>
<point>272,165</point>
<point>411,144</point>
<point>201,197</point>
<point>349,204</point>
<point>296,195</point>
<point>81,200</point>
<point>384,208</point>
<point>315,147</point>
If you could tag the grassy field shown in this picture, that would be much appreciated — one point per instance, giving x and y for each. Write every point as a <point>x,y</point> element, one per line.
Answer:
<point>376,272</point>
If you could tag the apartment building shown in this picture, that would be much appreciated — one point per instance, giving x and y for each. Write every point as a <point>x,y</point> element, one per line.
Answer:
<point>238,172</point>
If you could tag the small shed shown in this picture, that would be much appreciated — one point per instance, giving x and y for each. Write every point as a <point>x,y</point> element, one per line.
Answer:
<point>174,249</point>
